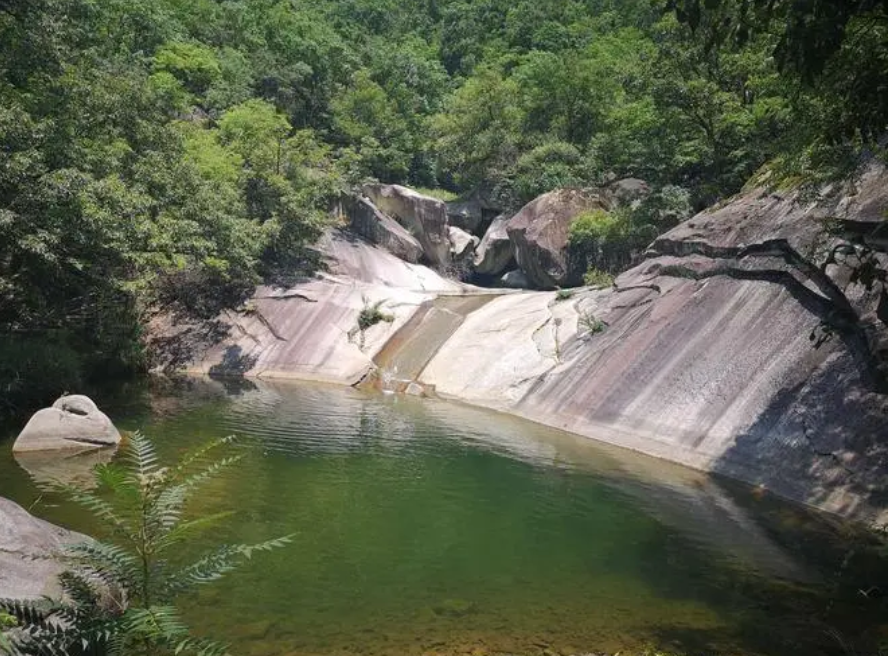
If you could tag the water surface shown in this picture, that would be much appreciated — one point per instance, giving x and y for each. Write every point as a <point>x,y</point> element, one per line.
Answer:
<point>425,527</point>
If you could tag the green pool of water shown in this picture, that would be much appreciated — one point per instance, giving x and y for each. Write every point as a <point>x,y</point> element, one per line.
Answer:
<point>425,527</point>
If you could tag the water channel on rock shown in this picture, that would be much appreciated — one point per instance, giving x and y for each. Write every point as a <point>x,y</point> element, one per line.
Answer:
<point>427,527</point>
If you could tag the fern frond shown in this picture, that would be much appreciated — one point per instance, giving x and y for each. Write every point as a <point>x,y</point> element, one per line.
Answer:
<point>200,647</point>
<point>29,611</point>
<point>189,528</point>
<point>193,481</point>
<point>197,454</point>
<point>247,550</point>
<point>113,564</point>
<point>140,455</point>
<point>97,506</point>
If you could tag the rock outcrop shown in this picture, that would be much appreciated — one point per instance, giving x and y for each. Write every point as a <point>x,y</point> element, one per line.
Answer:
<point>539,232</point>
<point>311,330</point>
<point>495,252</point>
<point>27,570</point>
<point>365,220</point>
<point>462,244</point>
<point>73,423</point>
<point>473,211</point>
<point>700,355</point>
<point>424,217</point>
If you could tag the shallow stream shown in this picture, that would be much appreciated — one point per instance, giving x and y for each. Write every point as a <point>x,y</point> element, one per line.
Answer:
<point>426,527</point>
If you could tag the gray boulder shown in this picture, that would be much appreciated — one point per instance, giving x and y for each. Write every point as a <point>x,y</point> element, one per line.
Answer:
<point>539,232</point>
<point>365,219</point>
<point>495,252</point>
<point>424,217</point>
<point>73,423</point>
<point>469,212</point>
<point>462,244</point>
<point>515,279</point>
<point>25,543</point>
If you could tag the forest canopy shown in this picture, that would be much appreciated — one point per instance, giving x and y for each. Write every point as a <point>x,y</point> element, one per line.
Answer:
<point>166,151</point>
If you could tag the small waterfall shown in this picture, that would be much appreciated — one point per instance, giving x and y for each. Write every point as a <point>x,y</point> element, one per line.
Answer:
<point>401,361</point>
<point>387,380</point>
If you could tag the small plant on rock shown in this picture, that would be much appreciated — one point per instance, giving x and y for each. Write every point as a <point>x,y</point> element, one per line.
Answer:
<point>563,294</point>
<point>370,315</point>
<point>119,594</point>
<point>597,278</point>
<point>590,324</point>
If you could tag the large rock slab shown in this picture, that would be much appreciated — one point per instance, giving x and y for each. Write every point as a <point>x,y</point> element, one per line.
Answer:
<point>539,232</point>
<point>73,423</point>
<point>27,570</point>
<point>496,252</point>
<point>423,216</point>
<point>718,373</point>
<point>310,330</point>
<point>365,219</point>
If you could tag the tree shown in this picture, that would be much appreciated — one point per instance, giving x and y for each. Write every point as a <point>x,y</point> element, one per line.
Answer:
<point>121,592</point>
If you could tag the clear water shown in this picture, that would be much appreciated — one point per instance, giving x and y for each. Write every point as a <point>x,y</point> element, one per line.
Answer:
<point>425,527</point>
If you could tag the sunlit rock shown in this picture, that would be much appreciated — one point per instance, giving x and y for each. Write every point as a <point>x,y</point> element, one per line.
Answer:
<point>73,423</point>
<point>540,232</point>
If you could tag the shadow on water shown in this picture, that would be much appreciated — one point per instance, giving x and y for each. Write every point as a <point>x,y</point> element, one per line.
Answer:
<point>424,526</point>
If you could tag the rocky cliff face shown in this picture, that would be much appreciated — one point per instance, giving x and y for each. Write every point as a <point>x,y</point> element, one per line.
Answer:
<point>702,354</point>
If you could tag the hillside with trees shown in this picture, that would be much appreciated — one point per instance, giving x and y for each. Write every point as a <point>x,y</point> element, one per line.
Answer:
<point>172,151</point>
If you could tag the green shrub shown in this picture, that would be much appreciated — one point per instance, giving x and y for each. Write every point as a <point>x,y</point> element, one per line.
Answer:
<point>597,278</point>
<point>563,294</point>
<point>371,315</point>
<point>551,166</point>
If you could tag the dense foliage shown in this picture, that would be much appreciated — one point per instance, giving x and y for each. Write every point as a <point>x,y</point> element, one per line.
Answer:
<point>120,593</point>
<point>178,151</point>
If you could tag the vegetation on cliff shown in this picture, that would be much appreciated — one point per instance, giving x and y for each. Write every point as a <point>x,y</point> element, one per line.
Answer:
<point>178,152</point>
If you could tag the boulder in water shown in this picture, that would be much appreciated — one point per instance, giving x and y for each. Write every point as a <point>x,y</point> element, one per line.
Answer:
<point>26,571</point>
<point>540,234</point>
<point>73,423</point>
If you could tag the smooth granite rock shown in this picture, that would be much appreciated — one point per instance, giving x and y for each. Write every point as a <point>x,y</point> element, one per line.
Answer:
<point>365,219</point>
<point>424,217</point>
<point>539,232</point>
<point>718,374</point>
<point>25,541</point>
<point>72,423</point>
<point>495,252</point>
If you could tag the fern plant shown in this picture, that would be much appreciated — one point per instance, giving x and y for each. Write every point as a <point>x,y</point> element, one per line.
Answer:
<point>119,594</point>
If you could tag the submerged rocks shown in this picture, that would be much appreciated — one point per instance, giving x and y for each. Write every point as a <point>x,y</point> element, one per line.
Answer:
<point>539,233</point>
<point>424,217</point>
<point>26,571</point>
<point>73,423</point>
